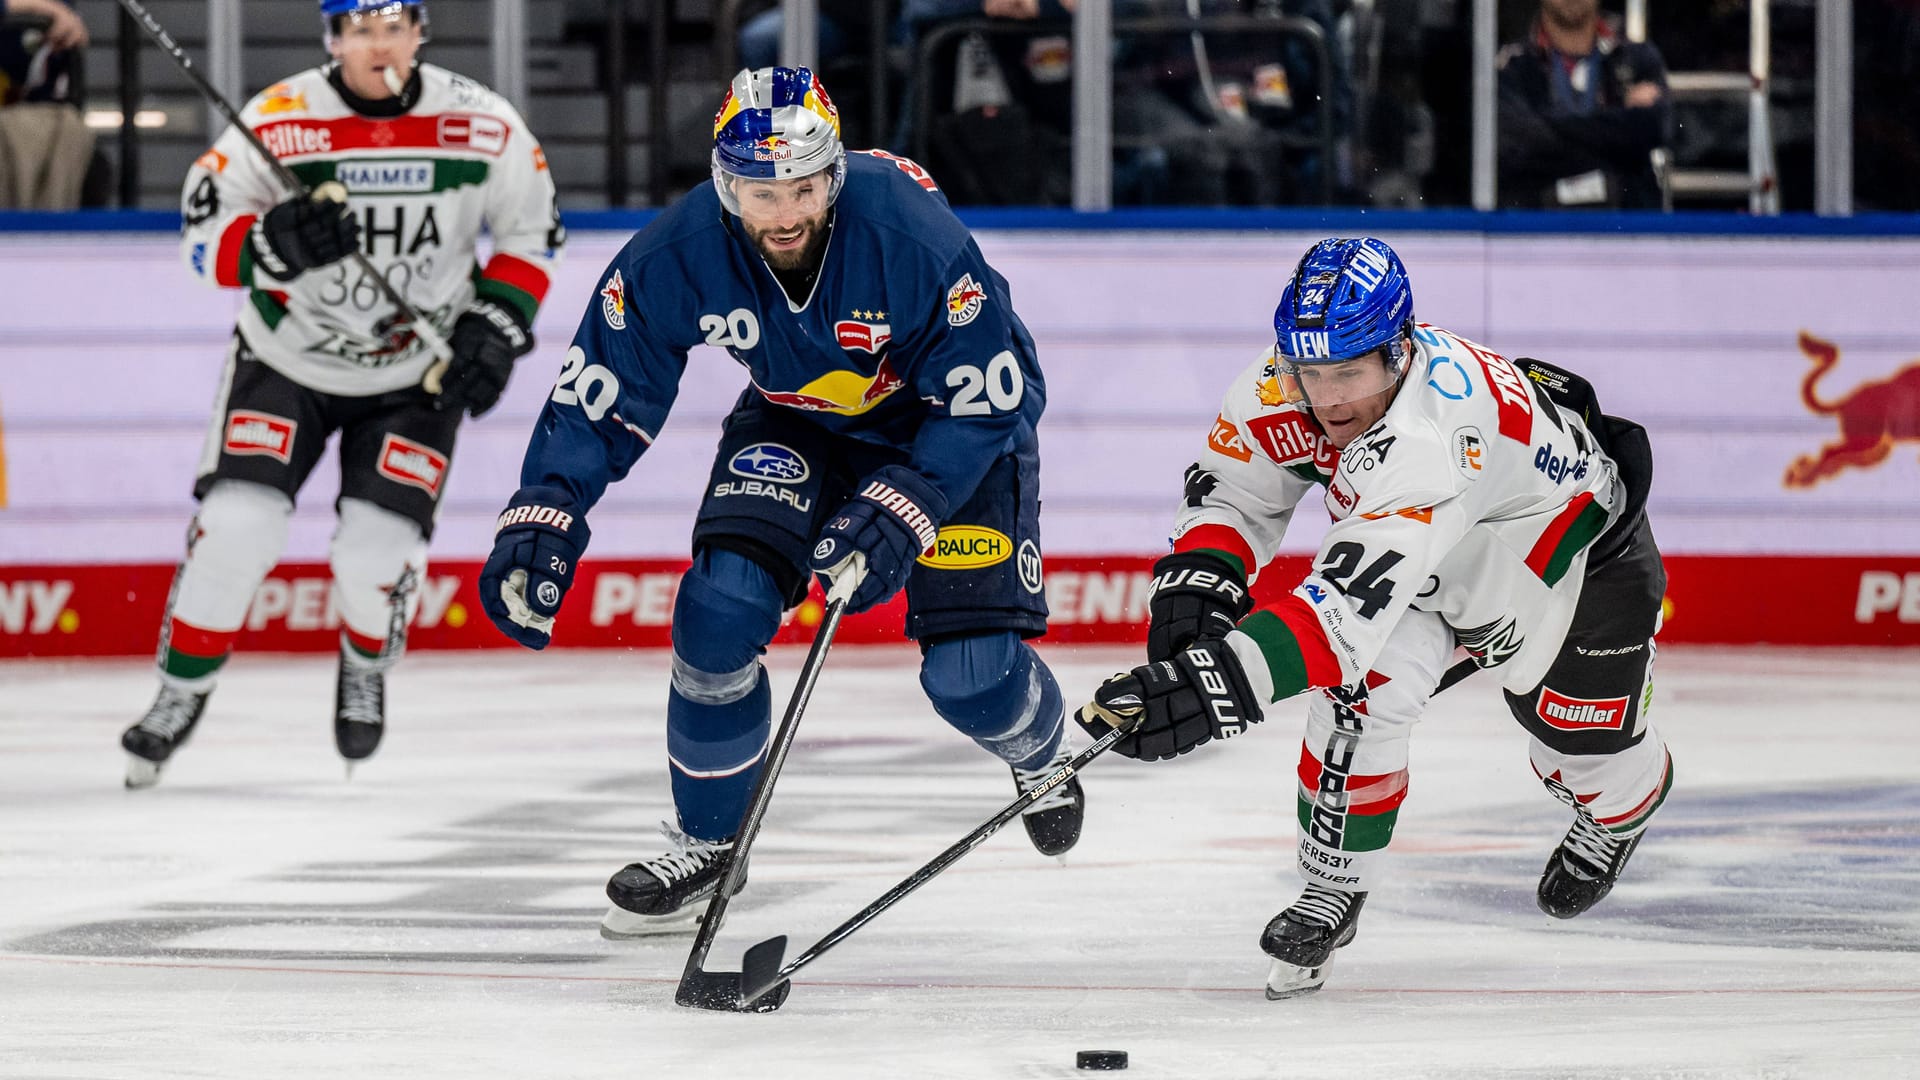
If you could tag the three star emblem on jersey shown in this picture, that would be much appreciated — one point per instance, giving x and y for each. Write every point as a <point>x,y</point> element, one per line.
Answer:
<point>964,301</point>
<point>613,302</point>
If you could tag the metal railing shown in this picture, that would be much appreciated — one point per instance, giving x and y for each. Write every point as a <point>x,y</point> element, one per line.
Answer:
<point>1280,26</point>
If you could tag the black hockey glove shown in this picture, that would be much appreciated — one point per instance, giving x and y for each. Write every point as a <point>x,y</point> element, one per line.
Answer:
<point>1199,695</point>
<point>1194,597</point>
<point>895,518</point>
<point>486,340</point>
<point>306,232</point>
<point>536,549</point>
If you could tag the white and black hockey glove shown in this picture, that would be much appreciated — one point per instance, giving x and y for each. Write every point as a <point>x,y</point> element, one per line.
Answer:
<point>487,339</point>
<point>1199,695</point>
<point>305,232</point>
<point>1194,597</point>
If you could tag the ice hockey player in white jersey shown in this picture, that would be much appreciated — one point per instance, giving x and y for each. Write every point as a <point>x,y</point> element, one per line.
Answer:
<point>407,162</point>
<point>1477,502</point>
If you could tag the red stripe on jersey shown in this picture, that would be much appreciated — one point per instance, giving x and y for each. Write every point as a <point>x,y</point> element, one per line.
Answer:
<point>193,640</point>
<point>1322,667</point>
<point>1219,538</point>
<point>1549,541</point>
<point>226,258</point>
<point>479,133</point>
<point>519,273</point>
<point>1365,794</point>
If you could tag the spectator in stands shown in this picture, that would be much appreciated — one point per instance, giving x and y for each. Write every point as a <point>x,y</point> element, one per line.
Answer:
<point>1223,119</point>
<point>842,31</point>
<point>1581,111</point>
<point>45,145</point>
<point>1001,103</point>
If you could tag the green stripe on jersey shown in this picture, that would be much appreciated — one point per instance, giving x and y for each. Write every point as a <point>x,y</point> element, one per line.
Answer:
<point>271,310</point>
<point>1580,532</point>
<point>394,176</point>
<point>1285,662</point>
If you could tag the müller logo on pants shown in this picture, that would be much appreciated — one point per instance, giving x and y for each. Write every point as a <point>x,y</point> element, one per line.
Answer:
<point>260,433</point>
<point>407,462</point>
<point>1581,714</point>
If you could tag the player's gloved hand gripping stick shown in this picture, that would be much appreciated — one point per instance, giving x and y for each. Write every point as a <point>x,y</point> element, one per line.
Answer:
<point>437,345</point>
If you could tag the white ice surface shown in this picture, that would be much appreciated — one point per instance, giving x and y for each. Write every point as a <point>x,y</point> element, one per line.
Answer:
<point>258,916</point>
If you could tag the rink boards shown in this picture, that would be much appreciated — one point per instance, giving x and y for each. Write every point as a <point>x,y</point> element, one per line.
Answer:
<point>111,353</point>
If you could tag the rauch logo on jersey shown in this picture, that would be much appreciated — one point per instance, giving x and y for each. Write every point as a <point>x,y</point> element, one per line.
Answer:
<point>407,462</point>
<point>769,461</point>
<point>1558,710</point>
<point>1872,417</point>
<point>260,433</point>
<point>968,547</point>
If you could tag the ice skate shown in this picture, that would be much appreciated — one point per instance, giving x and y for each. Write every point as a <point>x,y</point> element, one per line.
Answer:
<point>166,726</point>
<point>666,894</point>
<point>1582,870</point>
<point>1053,820</point>
<point>359,709</point>
<point>1302,939</point>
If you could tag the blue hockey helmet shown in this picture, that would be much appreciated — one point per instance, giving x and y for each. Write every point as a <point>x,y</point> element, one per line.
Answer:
<point>777,123</point>
<point>330,8</point>
<point>1347,299</point>
<point>331,12</point>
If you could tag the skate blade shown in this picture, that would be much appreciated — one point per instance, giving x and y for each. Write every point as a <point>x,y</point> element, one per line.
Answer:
<point>141,773</point>
<point>1290,980</point>
<point>619,924</point>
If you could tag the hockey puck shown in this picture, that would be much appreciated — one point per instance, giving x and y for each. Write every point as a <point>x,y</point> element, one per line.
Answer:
<point>1100,1060</point>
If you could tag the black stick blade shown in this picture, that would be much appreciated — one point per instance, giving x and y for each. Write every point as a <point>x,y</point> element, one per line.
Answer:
<point>718,990</point>
<point>760,971</point>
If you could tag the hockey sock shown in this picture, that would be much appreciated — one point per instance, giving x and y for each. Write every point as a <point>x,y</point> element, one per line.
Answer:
<point>714,746</point>
<point>720,707</point>
<point>231,545</point>
<point>378,558</point>
<point>996,690</point>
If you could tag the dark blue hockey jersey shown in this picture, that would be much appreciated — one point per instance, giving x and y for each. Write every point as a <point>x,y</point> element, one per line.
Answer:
<point>909,339</point>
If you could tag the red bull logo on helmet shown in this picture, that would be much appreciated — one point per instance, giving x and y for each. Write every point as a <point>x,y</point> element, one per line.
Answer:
<point>772,148</point>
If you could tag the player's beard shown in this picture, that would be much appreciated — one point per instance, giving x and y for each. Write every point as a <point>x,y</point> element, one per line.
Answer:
<point>804,257</point>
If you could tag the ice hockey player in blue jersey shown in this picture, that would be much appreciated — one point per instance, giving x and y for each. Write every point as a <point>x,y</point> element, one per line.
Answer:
<point>887,432</point>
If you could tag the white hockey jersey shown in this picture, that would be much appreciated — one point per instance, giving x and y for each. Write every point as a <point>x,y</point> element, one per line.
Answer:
<point>1474,497</point>
<point>421,183</point>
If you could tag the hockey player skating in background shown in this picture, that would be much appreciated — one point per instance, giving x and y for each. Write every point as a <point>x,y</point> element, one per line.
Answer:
<point>425,156</point>
<point>888,431</point>
<point>1475,500</point>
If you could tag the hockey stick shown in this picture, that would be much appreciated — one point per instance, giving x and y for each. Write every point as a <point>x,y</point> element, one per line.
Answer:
<point>703,989</point>
<point>764,981</point>
<point>761,970</point>
<point>436,344</point>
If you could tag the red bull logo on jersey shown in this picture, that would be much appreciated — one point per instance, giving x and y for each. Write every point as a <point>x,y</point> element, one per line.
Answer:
<point>1872,417</point>
<point>613,302</point>
<point>964,301</point>
<point>848,393</point>
<point>260,433</point>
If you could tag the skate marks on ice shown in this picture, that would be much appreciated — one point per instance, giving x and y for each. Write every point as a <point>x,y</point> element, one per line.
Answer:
<point>1824,866</point>
<point>520,884</point>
